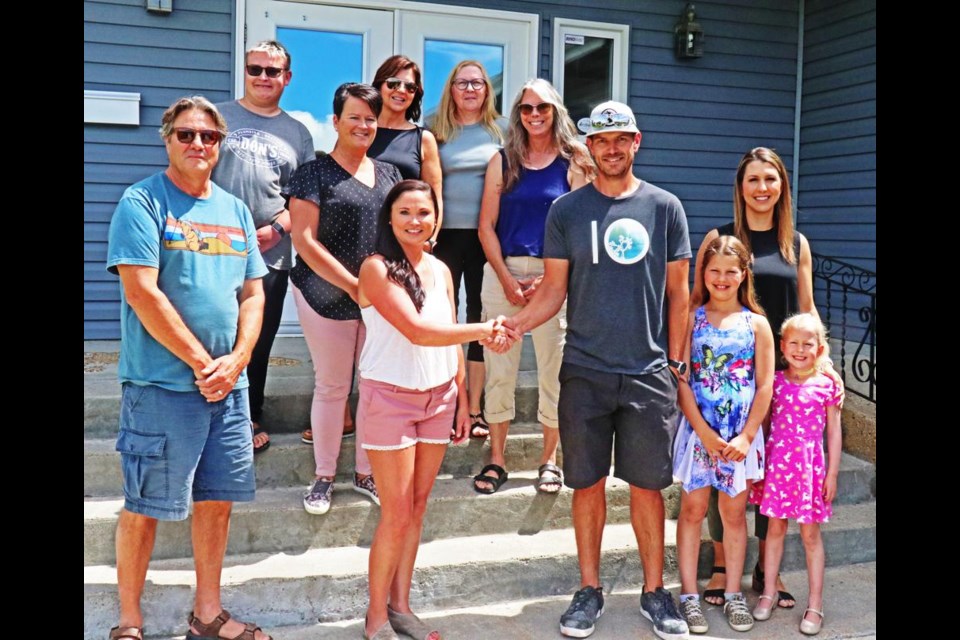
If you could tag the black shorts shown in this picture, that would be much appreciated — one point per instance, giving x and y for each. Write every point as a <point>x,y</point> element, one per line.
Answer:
<point>641,411</point>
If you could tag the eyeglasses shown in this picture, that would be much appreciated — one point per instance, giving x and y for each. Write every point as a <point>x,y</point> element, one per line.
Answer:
<point>476,84</point>
<point>543,107</point>
<point>395,83</point>
<point>208,137</point>
<point>604,121</point>
<point>272,72</point>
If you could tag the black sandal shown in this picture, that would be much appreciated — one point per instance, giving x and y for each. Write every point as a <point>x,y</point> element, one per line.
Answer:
<point>478,426</point>
<point>497,481</point>
<point>715,593</point>
<point>758,583</point>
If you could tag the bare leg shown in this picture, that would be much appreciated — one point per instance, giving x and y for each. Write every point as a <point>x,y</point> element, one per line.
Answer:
<point>551,439</point>
<point>813,545</point>
<point>135,537</point>
<point>589,517</point>
<point>498,446</point>
<point>761,560</point>
<point>476,374</point>
<point>693,507</point>
<point>646,517</point>
<point>395,474</point>
<point>428,459</point>
<point>733,511</point>
<point>776,533</point>
<point>347,418</point>
<point>209,531</point>
<point>717,580</point>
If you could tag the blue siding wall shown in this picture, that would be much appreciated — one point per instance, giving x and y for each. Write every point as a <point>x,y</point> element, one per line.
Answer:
<point>162,58</point>
<point>699,116</point>
<point>837,198</point>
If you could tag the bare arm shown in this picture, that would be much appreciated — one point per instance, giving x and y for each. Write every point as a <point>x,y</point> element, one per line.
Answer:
<point>696,297</point>
<point>550,296</point>
<point>305,219</point>
<point>805,279</point>
<point>834,446</point>
<point>678,297</point>
<point>710,439</point>
<point>222,374</point>
<point>739,446</point>
<point>576,177</point>
<point>487,230</point>
<point>431,174</point>
<point>393,303</point>
<point>160,318</point>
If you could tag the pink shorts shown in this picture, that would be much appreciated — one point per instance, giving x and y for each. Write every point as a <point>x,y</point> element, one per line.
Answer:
<point>392,417</point>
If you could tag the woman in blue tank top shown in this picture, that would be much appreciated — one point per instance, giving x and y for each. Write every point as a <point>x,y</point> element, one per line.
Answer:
<point>541,161</point>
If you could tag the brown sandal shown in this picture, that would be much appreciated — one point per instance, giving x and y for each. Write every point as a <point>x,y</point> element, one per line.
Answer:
<point>206,631</point>
<point>131,633</point>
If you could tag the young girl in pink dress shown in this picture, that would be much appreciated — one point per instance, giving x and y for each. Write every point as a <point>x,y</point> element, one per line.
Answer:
<point>798,483</point>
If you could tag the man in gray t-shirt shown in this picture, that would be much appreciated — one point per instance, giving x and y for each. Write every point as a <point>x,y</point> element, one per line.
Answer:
<point>618,250</point>
<point>263,149</point>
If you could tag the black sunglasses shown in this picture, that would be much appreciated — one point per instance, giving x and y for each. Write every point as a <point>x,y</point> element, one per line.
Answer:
<point>394,83</point>
<point>527,109</point>
<point>208,137</point>
<point>272,72</point>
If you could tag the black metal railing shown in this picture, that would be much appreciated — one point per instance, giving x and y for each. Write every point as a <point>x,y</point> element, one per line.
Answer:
<point>846,297</point>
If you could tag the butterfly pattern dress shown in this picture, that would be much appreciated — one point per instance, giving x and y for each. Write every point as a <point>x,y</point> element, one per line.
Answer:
<point>722,377</point>
<point>793,487</point>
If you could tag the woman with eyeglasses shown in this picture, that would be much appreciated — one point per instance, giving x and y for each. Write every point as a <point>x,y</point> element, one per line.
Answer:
<point>541,161</point>
<point>334,202</point>
<point>469,131</point>
<point>400,140</point>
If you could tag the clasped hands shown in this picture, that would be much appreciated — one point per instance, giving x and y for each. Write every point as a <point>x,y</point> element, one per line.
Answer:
<point>501,337</point>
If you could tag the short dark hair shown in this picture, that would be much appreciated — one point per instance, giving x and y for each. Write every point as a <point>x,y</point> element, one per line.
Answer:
<point>389,69</point>
<point>363,92</point>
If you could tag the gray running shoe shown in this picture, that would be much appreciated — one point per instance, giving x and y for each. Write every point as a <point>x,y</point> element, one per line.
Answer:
<point>658,607</point>
<point>579,620</point>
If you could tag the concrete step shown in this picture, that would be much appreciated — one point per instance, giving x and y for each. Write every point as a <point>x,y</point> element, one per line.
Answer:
<point>276,521</point>
<point>330,584</point>
<point>289,462</point>
<point>850,589</point>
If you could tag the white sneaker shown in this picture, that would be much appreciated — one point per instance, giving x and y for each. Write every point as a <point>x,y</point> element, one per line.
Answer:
<point>317,499</point>
<point>366,487</point>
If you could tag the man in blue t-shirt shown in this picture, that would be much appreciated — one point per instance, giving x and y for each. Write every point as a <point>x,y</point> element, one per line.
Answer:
<point>618,251</point>
<point>191,305</point>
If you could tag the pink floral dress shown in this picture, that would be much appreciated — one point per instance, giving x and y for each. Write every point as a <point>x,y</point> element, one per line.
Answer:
<point>796,468</point>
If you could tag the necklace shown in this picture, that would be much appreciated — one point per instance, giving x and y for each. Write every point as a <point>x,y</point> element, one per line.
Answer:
<point>800,376</point>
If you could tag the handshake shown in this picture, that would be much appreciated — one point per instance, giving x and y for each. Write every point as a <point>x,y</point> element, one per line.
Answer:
<point>501,336</point>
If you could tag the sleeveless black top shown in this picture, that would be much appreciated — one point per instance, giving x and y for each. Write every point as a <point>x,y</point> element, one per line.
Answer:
<point>401,148</point>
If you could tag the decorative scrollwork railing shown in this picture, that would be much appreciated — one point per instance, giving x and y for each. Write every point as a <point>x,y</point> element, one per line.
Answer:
<point>847,300</point>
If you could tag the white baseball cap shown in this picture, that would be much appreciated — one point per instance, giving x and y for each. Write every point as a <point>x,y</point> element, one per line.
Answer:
<point>609,116</point>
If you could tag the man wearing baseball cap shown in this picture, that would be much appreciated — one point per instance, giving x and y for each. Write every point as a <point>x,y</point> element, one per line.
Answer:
<point>618,251</point>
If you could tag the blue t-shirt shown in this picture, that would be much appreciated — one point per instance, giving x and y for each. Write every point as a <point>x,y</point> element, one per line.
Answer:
<point>618,250</point>
<point>204,250</point>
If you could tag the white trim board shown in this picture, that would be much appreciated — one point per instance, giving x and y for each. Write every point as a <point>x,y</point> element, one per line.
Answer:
<point>111,107</point>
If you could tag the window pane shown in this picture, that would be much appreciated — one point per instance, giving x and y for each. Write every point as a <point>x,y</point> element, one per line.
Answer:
<point>309,97</point>
<point>587,73</point>
<point>441,56</point>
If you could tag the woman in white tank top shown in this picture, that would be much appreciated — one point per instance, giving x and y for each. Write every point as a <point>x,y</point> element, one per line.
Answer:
<point>411,387</point>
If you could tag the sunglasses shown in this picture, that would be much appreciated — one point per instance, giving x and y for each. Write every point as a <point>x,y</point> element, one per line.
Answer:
<point>604,121</point>
<point>208,137</point>
<point>272,72</point>
<point>395,83</point>
<point>476,84</point>
<point>543,107</point>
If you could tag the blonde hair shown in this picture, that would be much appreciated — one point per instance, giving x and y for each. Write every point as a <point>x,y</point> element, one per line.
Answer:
<point>564,135</point>
<point>444,124</point>
<point>782,211</point>
<point>811,323</point>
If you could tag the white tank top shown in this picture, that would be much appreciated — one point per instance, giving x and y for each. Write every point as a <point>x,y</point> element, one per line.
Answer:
<point>389,357</point>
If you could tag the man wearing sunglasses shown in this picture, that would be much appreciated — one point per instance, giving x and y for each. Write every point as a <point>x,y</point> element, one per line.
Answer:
<point>264,148</point>
<point>619,247</point>
<point>191,305</point>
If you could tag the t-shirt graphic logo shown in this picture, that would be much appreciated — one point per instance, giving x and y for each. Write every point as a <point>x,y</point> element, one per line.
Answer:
<point>258,148</point>
<point>626,241</point>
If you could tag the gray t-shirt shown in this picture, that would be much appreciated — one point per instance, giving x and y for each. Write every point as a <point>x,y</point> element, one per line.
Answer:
<point>618,249</point>
<point>463,161</point>
<point>256,161</point>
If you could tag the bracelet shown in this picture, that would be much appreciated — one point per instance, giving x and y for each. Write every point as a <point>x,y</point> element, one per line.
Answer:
<point>278,228</point>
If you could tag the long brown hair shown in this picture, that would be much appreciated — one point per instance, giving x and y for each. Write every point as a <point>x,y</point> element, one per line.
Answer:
<point>731,246</point>
<point>782,211</point>
<point>564,135</point>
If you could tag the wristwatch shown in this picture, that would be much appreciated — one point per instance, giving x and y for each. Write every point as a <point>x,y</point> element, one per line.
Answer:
<point>279,228</point>
<point>681,367</point>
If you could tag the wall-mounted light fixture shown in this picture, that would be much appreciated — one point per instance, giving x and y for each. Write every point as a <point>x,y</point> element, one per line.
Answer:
<point>160,6</point>
<point>688,34</point>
